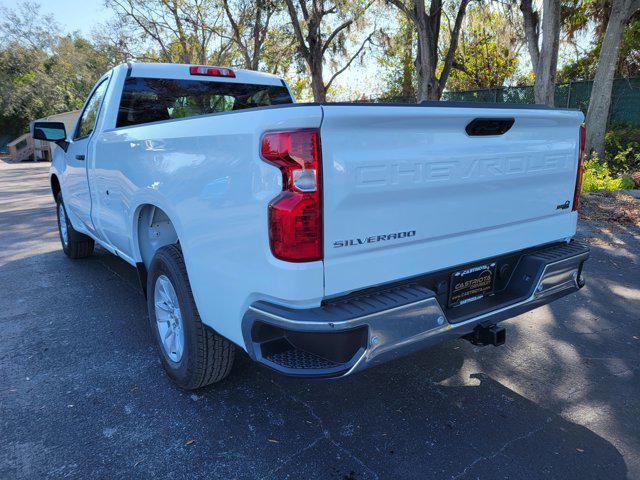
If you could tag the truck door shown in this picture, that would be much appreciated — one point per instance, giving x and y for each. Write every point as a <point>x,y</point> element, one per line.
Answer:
<point>78,198</point>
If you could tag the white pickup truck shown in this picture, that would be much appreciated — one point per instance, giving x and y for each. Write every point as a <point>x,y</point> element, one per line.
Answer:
<point>320,238</point>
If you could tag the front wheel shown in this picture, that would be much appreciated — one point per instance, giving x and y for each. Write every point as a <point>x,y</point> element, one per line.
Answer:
<point>192,354</point>
<point>74,244</point>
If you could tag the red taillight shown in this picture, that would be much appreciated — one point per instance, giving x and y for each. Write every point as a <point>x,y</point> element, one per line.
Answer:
<point>576,193</point>
<point>295,216</point>
<point>211,71</point>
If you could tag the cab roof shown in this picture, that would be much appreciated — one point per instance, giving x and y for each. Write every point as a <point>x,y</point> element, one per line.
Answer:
<point>180,71</point>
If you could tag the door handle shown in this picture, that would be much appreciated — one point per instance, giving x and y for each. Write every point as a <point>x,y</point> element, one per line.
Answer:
<point>79,157</point>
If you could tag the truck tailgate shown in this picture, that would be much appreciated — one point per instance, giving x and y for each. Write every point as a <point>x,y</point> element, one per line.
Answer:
<point>408,191</point>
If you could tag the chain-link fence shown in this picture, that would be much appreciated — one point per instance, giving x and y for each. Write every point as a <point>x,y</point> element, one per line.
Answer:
<point>625,99</point>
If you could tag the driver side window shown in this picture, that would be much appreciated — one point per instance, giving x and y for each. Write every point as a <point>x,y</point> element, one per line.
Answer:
<point>90,113</point>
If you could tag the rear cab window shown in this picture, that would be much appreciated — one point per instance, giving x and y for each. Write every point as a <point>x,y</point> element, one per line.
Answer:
<point>146,100</point>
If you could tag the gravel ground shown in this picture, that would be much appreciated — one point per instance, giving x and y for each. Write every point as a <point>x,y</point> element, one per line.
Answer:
<point>82,393</point>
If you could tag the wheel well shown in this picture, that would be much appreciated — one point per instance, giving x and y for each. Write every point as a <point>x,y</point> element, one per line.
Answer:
<point>155,230</point>
<point>55,186</point>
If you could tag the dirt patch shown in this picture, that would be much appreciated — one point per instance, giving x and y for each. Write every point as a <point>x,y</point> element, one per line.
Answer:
<point>611,208</point>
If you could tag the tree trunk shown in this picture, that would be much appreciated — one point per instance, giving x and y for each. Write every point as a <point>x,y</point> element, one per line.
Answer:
<point>427,26</point>
<point>447,63</point>
<point>422,57</point>
<point>257,38</point>
<point>433,33</point>
<point>185,56</point>
<point>317,80</point>
<point>407,60</point>
<point>311,45</point>
<point>422,66</point>
<point>545,59</point>
<point>600,101</point>
<point>531,32</point>
<point>545,83</point>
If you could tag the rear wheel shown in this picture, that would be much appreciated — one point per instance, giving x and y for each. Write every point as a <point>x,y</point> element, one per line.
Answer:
<point>192,354</point>
<point>74,244</point>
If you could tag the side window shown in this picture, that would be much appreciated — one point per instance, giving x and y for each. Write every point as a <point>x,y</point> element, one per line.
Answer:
<point>90,113</point>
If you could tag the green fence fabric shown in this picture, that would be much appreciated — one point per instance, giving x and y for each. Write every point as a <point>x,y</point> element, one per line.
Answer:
<point>625,99</point>
<point>625,105</point>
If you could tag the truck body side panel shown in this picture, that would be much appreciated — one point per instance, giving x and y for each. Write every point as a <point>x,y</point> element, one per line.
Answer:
<point>207,175</point>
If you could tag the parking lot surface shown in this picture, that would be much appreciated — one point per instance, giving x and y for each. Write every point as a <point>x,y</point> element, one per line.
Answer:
<point>83,395</point>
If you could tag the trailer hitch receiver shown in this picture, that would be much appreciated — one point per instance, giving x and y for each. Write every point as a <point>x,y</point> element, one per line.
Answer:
<point>487,335</point>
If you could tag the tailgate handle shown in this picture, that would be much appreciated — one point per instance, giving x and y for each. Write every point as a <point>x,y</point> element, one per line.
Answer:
<point>480,127</point>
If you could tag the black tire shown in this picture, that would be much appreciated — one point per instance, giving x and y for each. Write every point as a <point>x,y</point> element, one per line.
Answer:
<point>77,245</point>
<point>206,357</point>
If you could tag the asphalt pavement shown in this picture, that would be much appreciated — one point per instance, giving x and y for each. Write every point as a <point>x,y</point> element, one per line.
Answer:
<point>83,395</point>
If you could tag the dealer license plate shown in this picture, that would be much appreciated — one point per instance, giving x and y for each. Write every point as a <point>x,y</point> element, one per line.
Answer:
<point>471,284</point>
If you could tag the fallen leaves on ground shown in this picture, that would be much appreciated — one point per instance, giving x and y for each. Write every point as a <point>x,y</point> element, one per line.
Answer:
<point>610,207</point>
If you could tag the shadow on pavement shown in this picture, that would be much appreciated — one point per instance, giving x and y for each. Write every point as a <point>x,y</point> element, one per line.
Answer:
<point>83,395</point>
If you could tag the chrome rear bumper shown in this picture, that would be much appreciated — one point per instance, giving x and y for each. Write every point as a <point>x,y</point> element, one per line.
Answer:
<point>345,336</point>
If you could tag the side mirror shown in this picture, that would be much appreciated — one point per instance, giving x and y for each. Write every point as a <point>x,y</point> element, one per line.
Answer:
<point>50,132</point>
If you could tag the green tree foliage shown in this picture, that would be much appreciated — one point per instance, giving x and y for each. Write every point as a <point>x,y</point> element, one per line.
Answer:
<point>35,83</point>
<point>43,73</point>
<point>323,30</point>
<point>598,176</point>
<point>583,67</point>
<point>621,160</point>
<point>591,17</point>
<point>487,54</point>
<point>396,61</point>
<point>182,31</point>
<point>26,91</point>
<point>433,55</point>
<point>622,148</point>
